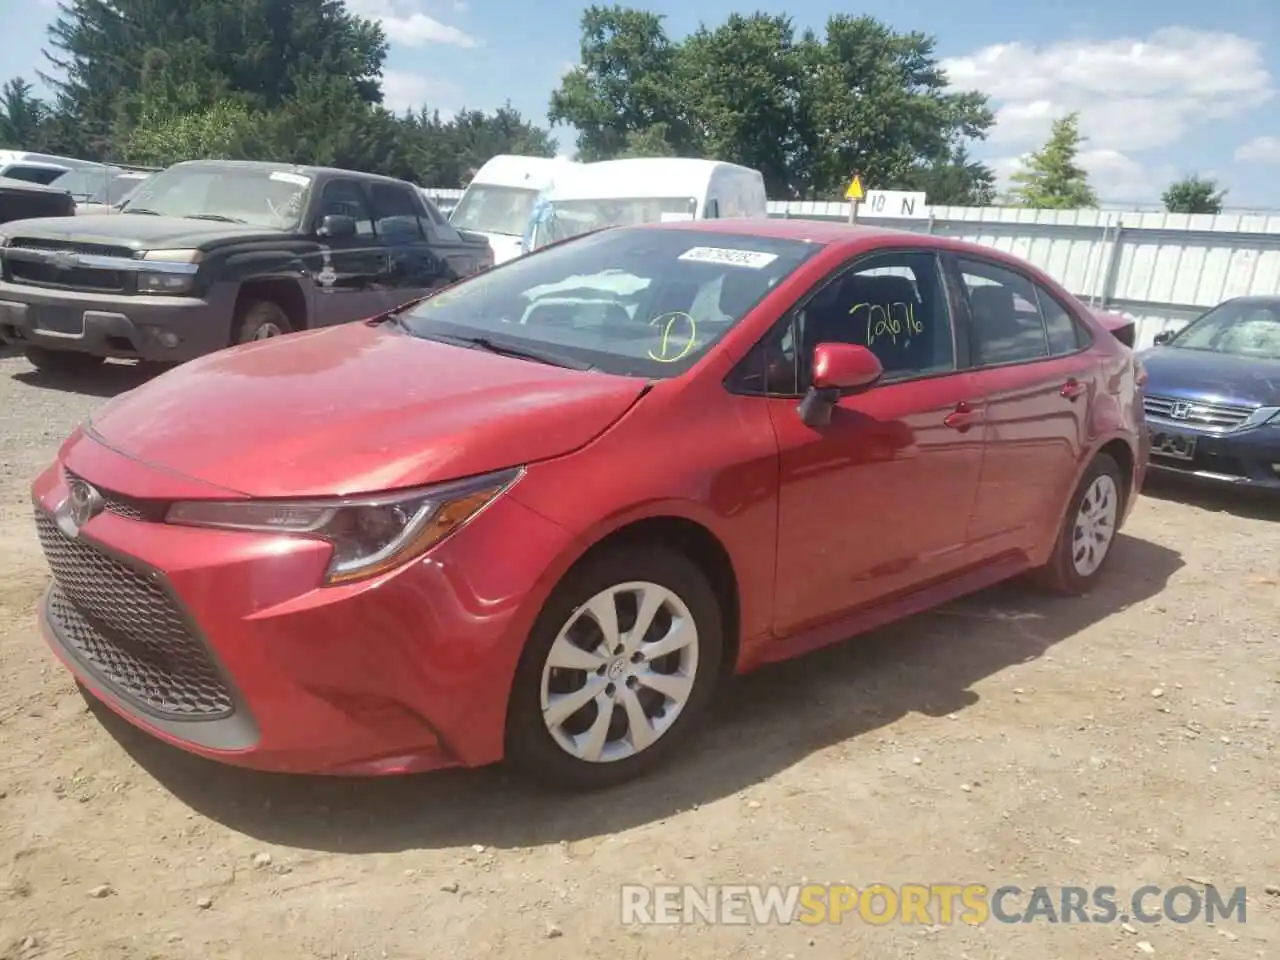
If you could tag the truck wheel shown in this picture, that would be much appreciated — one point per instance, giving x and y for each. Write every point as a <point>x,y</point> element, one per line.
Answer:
<point>62,361</point>
<point>261,320</point>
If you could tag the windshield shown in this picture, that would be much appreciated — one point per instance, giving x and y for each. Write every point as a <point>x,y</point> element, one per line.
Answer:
<point>98,186</point>
<point>40,175</point>
<point>489,209</point>
<point>634,302</point>
<point>253,195</point>
<point>570,218</point>
<point>1242,328</point>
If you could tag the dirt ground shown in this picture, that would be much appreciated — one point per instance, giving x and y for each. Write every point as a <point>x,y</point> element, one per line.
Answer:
<point>1127,738</point>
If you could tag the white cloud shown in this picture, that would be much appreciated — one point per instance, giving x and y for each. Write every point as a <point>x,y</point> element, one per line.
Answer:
<point>1132,94</point>
<point>405,21</point>
<point>409,91</point>
<point>1260,150</point>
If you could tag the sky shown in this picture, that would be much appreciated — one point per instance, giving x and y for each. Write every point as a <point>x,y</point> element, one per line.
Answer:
<point>1165,88</point>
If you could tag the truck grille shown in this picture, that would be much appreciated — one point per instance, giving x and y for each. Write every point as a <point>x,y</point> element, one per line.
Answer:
<point>88,249</point>
<point>1217,416</point>
<point>40,274</point>
<point>77,278</point>
<point>126,630</point>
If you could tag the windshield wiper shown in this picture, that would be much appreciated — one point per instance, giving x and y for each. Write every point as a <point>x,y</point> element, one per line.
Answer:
<point>142,210</point>
<point>214,216</point>
<point>536,354</point>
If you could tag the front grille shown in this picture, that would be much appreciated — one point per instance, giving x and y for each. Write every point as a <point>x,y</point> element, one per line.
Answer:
<point>131,508</point>
<point>1218,416</point>
<point>88,249</point>
<point>77,278</point>
<point>122,626</point>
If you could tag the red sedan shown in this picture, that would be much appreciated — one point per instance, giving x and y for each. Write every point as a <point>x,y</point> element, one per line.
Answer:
<point>544,513</point>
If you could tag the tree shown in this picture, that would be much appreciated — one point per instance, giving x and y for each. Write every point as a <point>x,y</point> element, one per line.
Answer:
<point>953,180</point>
<point>1194,194</point>
<point>1051,178</point>
<point>806,111</point>
<point>22,116</point>
<point>623,84</point>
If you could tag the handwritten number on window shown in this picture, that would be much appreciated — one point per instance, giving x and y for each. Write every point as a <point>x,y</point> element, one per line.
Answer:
<point>889,321</point>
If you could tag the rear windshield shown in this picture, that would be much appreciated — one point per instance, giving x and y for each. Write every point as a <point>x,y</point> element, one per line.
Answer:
<point>638,302</point>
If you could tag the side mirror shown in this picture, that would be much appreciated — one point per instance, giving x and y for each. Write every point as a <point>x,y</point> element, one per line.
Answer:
<point>837,367</point>
<point>1163,337</point>
<point>337,227</point>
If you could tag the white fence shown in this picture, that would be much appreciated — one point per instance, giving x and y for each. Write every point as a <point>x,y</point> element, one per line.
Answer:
<point>1162,269</point>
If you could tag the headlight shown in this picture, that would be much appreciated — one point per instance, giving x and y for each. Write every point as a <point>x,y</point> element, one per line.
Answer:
<point>370,535</point>
<point>173,256</point>
<point>1260,416</point>
<point>163,282</point>
<point>168,271</point>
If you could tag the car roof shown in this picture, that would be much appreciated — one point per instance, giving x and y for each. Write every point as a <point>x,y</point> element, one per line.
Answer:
<point>854,238</point>
<point>300,169</point>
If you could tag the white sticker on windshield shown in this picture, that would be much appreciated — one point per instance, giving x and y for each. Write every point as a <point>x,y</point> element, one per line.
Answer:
<point>752,259</point>
<point>296,179</point>
<point>676,217</point>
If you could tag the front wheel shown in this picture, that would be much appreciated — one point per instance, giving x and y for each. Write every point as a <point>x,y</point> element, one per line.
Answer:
<point>1088,532</point>
<point>621,663</point>
<point>63,361</point>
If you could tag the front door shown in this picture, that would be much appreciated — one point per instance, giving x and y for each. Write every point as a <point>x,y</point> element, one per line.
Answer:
<point>350,275</point>
<point>877,502</point>
<point>1037,382</point>
<point>414,266</point>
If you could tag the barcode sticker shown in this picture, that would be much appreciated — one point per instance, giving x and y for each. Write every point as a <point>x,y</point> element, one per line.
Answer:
<point>751,259</point>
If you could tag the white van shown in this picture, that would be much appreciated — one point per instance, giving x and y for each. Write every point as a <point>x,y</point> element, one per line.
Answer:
<point>500,199</point>
<point>42,168</point>
<point>614,193</point>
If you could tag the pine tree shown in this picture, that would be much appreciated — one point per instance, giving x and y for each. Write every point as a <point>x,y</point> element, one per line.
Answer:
<point>1052,179</point>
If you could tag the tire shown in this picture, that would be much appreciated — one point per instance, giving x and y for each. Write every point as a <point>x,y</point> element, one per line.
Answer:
<point>655,572</point>
<point>63,361</point>
<point>1102,482</point>
<point>260,320</point>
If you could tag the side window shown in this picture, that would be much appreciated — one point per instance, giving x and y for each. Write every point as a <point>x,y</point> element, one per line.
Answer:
<point>1065,335</point>
<point>395,214</point>
<point>345,198</point>
<point>1006,324</point>
<point>772,367</point>
<point>435,225</point>
<point>894,304</point>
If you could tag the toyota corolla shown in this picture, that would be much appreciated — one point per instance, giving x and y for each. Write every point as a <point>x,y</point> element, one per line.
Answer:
<point>543,514</point>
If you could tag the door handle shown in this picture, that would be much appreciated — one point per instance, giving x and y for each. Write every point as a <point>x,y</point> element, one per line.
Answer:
<point>1072,389</point>
<point>962,417</point>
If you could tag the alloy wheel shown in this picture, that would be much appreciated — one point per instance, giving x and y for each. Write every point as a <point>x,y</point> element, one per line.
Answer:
<point>620,671</point>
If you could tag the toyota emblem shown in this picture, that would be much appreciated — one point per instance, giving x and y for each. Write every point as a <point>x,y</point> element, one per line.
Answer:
<point>84,503</point>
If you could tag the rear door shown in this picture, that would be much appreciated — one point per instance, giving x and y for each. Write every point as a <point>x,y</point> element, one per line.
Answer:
<point>458,256</point>
<point>1038,382</point>
<point>351,273</point>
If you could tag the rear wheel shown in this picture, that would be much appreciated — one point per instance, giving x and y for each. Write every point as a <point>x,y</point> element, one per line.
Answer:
<point>1088,532</point>
<point>617,671</point>
<point>261,320</point>
<point>62,361</point>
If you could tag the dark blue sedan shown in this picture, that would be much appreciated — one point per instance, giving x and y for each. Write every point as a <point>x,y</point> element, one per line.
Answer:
<point>1213,395</point>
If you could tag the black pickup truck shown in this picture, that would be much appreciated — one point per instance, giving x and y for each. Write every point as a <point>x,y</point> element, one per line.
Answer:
<point>211,253</point>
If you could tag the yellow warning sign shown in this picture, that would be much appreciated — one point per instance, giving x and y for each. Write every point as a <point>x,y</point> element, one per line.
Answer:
<point>855,191</point>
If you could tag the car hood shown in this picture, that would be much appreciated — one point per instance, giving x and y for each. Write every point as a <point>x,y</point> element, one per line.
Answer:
<point>357,408</point>
<point>137,231</point>
<point>1204,375</point>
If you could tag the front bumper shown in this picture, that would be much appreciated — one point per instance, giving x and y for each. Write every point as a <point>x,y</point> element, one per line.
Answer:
<point>1248,458</point>
<point>222,644</point>
<point>156,328</point>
